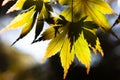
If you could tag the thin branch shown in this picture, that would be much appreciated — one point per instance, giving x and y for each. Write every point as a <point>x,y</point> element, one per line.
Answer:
<point>72,10</point>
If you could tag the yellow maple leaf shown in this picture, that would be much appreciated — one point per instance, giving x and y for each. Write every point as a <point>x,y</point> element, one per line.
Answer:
<point>66,56</point>
<point>71,40</point>
<point>55,45</point>
<point>17,6</point>
<point>22,20</point>
<point>82,51</point>
<point>94,9</point>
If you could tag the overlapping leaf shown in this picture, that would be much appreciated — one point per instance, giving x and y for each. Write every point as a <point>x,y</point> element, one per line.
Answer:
<point>55,45</point>
<point>72,40</point>
<point>26,18</point>
<point>94,9</point>
<point>43,15</point>
<point>66,55</point>
<point>17,6</point>
<point>53,30</point>
<point>25,4</point>
<point>82,51</point>
<point>72,33</point>
<point>23,20</point>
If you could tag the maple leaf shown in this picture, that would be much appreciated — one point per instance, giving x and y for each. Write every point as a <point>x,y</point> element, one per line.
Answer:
<point>26,19</point>
<point>17,6</point>
<point>94,9</point>
<point>23,20</point>
<point>43,15</point>
<point>25,4</point>
<point>71,40</point>
<point>83,52</point>
<point>66,56</point>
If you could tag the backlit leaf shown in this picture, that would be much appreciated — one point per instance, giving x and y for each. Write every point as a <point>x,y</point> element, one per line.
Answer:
<point>72,33</point>
<point>65,2</point>
<point>94,9</point>
<point>27,28</point>
<point>17,6</point>
<point>68,15</point>
<point>66,56</point>
<point>102,7</point>
<point>82,51</point>
<point>46,0</point>
<point>90,25</point>
<point>79,38</point>
<point>90,37</point>
<point>48,34</point>
<point>40,21</point>
<point>43,15</point>
<point>38,3</point>
<point>89,32</point>
<point>39,27</point>
<point>55,45</point>
<point>25,4</point>
<point>99,18</point>
<point>21,20</point>
<point>98,47</point>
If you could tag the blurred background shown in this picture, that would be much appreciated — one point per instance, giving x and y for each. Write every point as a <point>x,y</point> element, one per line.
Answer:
<point>22,61</point>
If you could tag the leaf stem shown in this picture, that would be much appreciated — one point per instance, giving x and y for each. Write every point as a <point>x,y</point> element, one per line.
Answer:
<point>72,10</point>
